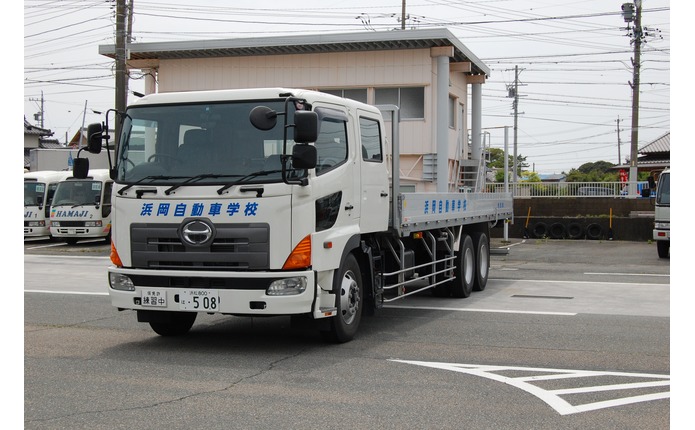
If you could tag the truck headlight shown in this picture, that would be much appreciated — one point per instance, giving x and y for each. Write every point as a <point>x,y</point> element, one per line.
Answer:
<point>121,282</point>
<point>662,225</point>
<point>55,223</point>
<point>36,223</point>
<point>287,287</point>
<point>92,223</point>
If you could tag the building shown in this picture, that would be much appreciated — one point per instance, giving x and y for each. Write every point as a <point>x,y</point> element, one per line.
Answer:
<point>35,138</point>
<point>428,73</point>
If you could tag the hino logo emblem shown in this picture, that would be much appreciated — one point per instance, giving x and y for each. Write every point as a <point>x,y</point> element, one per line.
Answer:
<point>196,232</point>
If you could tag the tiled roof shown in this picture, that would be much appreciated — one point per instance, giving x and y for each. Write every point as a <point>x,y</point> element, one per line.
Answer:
<point>662,144</point>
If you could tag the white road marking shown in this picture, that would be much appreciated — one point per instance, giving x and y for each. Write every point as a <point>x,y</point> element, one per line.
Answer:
<point>555,281</point>
<point>82,293</point>
<point>502,311</point>
<point>552,397</point>
<point>627,274</point>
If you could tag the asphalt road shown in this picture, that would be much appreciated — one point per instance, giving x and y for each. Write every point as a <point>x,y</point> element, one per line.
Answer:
<point>566,335</point>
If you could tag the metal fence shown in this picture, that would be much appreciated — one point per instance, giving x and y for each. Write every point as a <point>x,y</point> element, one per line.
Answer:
<point>570,189</point>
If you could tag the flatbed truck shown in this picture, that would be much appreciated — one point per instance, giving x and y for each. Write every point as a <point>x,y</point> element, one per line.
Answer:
<point>267,202</point>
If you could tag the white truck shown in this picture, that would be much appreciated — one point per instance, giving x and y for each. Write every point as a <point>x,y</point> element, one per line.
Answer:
<point>81,208</point>
<point>662,215</point>
<point>39,188</point>
<point>267,202</point>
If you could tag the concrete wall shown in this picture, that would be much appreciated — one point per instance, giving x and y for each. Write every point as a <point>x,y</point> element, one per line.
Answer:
<point>632,219</point>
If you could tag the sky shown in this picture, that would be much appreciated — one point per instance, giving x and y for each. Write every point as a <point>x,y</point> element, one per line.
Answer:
<point>573,57</point>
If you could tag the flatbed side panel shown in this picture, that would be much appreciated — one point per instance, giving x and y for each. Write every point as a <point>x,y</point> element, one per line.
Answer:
<point>423,211</point>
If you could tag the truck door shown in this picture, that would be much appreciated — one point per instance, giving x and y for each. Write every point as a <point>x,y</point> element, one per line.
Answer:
<point>336,182</point>
<point>374,184</point>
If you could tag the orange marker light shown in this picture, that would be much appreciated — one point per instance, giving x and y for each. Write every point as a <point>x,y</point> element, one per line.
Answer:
<point>115,259</point>
<point>300,257</point>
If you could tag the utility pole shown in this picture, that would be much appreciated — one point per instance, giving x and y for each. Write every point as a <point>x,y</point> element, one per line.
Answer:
<point>516,122</point>
<point>513,92</point>
<point>617,129</point>
<point>633,12</point>
<point>40,114</point>
<point>121,74</point>
<point>403,16</point>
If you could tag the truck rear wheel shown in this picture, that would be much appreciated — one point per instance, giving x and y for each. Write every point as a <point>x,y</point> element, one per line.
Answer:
<point>462,285</point>
<point>482,260</point>
<point>178,324</point>
<point>348,301</point>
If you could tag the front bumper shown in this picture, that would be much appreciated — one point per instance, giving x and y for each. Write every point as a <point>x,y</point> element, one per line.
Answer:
<point>239,293</point>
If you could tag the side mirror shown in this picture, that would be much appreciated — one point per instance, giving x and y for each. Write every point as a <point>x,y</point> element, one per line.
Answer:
<point>306,126</point>
<point>94,137</point>
<point>304,157</point>
<point>263,118</point>
<point>80,168</point>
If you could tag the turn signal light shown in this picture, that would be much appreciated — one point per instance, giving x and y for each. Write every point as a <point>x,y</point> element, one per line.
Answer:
<point>300,257</point>
<point>115,259</point>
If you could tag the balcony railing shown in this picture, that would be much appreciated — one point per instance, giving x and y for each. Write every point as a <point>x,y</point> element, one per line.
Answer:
<point>569,189</point>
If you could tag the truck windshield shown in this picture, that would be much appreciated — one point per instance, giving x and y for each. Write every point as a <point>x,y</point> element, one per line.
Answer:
<point>77,193</point>
<point>34,193</point>
<point>200,143</point>
<point>663,193</point>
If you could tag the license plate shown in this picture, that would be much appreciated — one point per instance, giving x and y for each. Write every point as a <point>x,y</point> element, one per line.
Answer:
<point>153,298</point>
<point>199,300</point>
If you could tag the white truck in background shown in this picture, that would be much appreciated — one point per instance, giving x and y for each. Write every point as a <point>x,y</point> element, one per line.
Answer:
<point>662,215</point>
<point>39,188</point>
<point>266,202</point>
<point>81,208</point>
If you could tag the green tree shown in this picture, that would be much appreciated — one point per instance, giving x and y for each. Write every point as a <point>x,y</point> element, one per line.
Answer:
<point>496,157</point>
<point>598,171</point>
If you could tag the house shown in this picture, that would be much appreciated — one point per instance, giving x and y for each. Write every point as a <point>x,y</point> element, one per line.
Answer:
<point>34,138</point>
<point>428,73</point>
<point>655,155</point>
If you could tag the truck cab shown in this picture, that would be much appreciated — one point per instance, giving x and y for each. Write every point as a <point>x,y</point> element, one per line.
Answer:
<point>39,188</point>
<point>81,208</point>
<point>662,215</point>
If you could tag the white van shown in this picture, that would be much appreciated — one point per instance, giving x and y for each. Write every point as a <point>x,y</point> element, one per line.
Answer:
<point>81,208</point>
<point>39,188</point>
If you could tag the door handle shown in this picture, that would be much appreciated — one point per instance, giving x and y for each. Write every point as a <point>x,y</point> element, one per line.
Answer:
<point>349,207</point>
<point>384,194</point>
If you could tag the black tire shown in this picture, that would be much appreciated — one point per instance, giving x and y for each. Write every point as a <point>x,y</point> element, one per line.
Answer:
<point>482,260</point>
<point>663,248</point>
<point>464,273</point>
<point>575,230</point>
<point>540,230</point>
<point>557,231</point>
<point>180,324</point>
<point>348,302</point>
<point>594,231</point>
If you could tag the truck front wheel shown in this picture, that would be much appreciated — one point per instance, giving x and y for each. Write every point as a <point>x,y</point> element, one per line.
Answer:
<point>177,324</point>
<point>349,293</point>
<point>662,248</point>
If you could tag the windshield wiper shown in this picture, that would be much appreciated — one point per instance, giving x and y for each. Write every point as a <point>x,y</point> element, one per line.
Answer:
<point>248,177</point>
<point>197,178</point>
<point>151,178</point>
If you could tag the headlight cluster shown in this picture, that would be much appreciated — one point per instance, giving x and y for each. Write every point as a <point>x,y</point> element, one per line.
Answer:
<point>121,282</point>
<point>287,287</point>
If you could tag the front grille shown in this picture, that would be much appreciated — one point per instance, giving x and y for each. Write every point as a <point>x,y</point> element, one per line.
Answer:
<point>234,247</point>
<point>72,223</point>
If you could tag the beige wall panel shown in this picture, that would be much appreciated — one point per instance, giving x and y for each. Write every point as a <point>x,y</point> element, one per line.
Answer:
<point>334,70</point>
